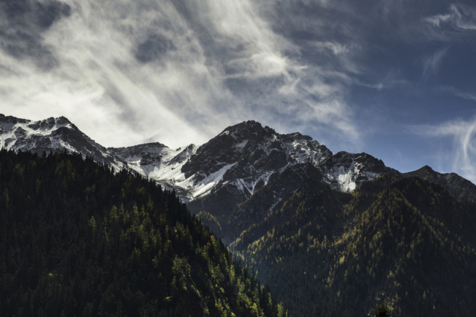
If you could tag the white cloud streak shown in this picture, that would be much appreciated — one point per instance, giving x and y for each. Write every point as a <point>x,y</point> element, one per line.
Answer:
<point>460,17</point>
<point>456,92</point>
<point>432,63</point>
<point>335,48</point>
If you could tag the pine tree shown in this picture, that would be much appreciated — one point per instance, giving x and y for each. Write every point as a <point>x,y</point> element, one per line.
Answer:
<point>382,310</point>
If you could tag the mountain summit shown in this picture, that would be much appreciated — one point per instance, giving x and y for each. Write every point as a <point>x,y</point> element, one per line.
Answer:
<point>51,135</point>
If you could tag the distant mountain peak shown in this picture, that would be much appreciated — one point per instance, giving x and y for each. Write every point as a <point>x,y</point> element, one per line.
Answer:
<point>50,135</point>
<point>246,130</point>
<point>62,120</point>
<point>456,184</point>
<point>11,119</point>
<point>140,146</point>
<point>426,169</point>
<point>250,124</point>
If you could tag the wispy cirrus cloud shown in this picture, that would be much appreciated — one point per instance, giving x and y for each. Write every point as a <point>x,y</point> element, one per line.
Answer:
<point>431,64</point>
<point>458,93</point>
<point>459,16</point>
<point>332,47</point>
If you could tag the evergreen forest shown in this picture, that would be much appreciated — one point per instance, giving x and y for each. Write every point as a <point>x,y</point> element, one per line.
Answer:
<point>405,242</point>
<point>77,239</point>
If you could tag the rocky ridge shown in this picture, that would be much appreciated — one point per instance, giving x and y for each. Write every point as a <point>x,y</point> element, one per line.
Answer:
<point>245,156</point>
<point>50,136</point>
<point>240,176</point>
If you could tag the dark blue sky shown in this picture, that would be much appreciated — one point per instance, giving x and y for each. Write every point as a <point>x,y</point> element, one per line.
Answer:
<point>391,78</point>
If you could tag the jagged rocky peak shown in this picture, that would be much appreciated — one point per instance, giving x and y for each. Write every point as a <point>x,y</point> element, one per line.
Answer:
<point>426,169</point>
<point>20,125</point>
<point>250,141</point>
<point>142,154</point>
<point>252,130</point>
<point>141,149</point>
<point>52,121</point>
<point>49,136</point>
<point>249,152</point>
<point>247,129</point>
<point>10,119</point>
<point>363,160</point>
<point>51,124</point>
<point>346,171</point>
<point>8,122</point>
<point>228,147</point>
<point>239,135</point>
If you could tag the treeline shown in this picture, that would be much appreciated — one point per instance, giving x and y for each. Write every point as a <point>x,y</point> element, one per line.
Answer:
<point>78,240</point>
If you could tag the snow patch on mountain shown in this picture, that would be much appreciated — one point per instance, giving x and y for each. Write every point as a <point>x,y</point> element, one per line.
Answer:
<point>241,145</point>
<point>51,135</point>
<point>204,186</point>
<point>20,134</point>
<point>345,179</point>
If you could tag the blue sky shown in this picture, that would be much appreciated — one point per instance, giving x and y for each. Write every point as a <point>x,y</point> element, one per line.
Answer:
<point>391,78</point>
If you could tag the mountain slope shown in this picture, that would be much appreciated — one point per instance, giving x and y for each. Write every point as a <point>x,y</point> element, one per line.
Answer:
<point>406,241</point>
<point>249,155</point>
<point>262,168</point>
<point>78,240</point>
<point>158,162</point>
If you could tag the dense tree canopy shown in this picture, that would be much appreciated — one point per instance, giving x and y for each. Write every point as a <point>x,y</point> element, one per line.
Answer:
<point>78,240</point>
<point>407,242</point>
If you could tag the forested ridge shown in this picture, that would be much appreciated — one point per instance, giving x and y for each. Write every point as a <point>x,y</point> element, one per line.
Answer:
<point>79,240</point>
<point>406,242</point>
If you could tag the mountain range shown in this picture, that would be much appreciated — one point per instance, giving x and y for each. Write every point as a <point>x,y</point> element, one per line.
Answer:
<point>332,234</point>
<point>245,156</point>
<point>244,173</point>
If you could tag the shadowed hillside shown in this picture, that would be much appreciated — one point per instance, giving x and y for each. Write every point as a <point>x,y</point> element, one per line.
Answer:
<point>78,240</point>
<point>407,242</point>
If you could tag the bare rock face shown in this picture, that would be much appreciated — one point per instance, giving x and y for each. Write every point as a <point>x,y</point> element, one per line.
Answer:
<point>255,169</point>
